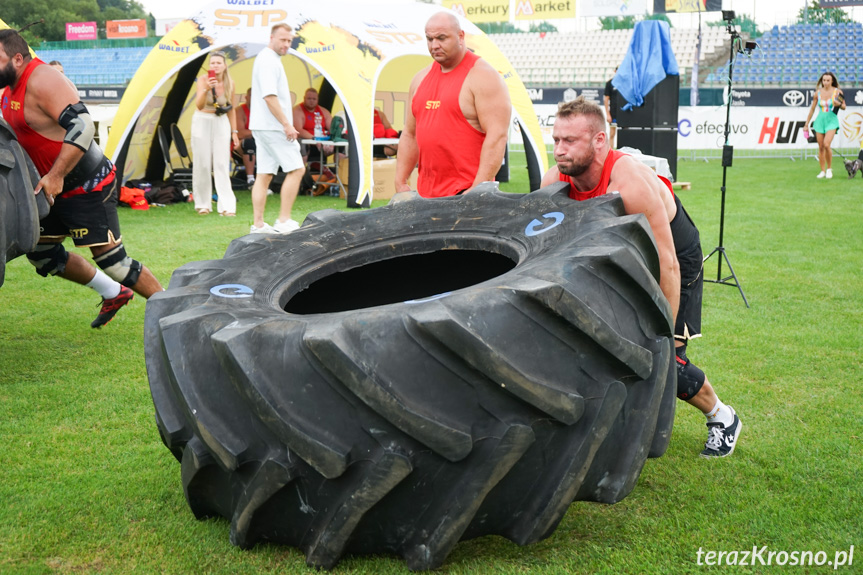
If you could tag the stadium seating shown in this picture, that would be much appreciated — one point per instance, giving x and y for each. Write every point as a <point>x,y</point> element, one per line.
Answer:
<point>567,58</point>
<point>798,54</point>
<point>786,55</point>
<point>98,66</point>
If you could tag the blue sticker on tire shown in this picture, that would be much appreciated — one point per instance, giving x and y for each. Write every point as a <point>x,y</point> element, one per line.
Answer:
<point>536,227</point>
<point>232,291</point>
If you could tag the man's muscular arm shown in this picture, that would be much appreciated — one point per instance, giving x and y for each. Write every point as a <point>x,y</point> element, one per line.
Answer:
<point>493,111</point>
<point>642,192</point>
<point>49,93</point>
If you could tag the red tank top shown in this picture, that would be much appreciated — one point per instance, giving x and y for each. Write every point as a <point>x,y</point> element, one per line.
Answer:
<point>602,187</point>
<point>309,125</point>
<point>41,150</point>
<point>245,108</point>
<point>449,147</point>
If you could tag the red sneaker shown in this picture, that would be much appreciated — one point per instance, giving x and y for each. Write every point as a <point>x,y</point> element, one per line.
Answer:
<point>111,306</point>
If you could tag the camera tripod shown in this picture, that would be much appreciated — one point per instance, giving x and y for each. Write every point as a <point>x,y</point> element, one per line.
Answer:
<point>727,155</point>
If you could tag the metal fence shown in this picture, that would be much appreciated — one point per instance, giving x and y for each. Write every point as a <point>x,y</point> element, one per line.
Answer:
<point>711,77</point>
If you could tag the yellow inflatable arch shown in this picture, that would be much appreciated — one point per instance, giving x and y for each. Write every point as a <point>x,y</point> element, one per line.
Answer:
<point>359,54</point>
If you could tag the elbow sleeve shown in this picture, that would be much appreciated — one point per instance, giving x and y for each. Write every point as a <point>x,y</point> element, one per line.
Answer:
<point>79,126</point>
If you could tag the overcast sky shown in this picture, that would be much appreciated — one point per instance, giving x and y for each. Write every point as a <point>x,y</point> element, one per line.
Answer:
<point>767,12</point>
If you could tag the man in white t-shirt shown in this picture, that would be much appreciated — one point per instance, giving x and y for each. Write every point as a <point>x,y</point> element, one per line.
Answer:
<point>271,123</point>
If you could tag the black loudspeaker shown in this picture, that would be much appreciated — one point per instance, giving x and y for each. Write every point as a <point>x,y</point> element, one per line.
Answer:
<point>651,142</point>
<point>659,109</point>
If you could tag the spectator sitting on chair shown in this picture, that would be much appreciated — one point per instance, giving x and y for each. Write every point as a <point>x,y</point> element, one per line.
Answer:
<point>57,65</point>
<point>304,120</point>
<point>246,147</point>
<point>383,129</point>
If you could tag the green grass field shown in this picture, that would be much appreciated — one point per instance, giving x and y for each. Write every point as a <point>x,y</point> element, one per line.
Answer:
<point>86,485</point>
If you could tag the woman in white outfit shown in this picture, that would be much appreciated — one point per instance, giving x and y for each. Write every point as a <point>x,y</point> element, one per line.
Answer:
<point>214,132</point>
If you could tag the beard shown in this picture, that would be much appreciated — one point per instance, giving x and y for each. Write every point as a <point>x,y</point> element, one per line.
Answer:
<point>7,76</point>
<point>577,166</point>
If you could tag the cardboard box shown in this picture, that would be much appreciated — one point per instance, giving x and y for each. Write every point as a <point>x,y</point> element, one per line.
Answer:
<point>344,171</point>
<point>344,176</point>
<point>384,174</point>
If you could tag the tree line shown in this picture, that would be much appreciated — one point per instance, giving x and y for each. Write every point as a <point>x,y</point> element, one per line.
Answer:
<point>45,20</point>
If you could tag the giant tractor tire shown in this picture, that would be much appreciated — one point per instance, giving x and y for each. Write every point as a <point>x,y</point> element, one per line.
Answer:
<point>399,379</point>
<point>20,210</point>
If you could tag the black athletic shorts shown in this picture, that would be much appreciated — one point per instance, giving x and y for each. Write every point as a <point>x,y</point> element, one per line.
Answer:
<point>687,244</point>
<point>89,219</point>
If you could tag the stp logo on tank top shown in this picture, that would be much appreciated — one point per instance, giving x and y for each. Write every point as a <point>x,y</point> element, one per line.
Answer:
<point>432,104</point>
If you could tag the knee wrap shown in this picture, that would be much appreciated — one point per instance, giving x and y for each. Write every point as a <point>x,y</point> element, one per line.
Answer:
<point>49,259</point>
<point>120,267</point>
<point>689,377</point>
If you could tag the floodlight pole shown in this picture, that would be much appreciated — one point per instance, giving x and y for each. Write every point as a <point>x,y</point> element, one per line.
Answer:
<point>727,155</point>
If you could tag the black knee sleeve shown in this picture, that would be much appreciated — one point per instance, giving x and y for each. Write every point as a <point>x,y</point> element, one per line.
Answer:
<point>689,377</point>
<point>120,267</point>
<point>49,259</point>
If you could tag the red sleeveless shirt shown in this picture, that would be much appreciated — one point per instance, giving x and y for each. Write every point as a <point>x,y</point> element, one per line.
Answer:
<point>602,187</point>
<point>41,150</point>
<point>449,147</point>
<point>309,125</point>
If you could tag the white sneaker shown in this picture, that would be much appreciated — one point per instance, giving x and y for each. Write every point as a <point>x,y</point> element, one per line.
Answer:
<point>264,229</point>
<point>821,174</point>
<point>829,174</point>
<point>286,227</point>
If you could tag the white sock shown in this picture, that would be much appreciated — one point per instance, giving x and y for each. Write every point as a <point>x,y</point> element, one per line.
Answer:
<point>720,413</point>
<point>105,286</point>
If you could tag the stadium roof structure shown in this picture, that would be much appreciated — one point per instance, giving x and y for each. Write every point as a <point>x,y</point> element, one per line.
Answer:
<point>360,52</point>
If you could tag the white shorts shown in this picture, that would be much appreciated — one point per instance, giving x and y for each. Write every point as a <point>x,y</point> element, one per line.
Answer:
<point>274,150</point>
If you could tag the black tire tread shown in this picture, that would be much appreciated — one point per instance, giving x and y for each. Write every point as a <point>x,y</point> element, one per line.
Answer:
<point>338,440</point>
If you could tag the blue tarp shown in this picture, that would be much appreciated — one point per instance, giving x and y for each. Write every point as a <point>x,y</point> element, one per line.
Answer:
<point>649,59</point>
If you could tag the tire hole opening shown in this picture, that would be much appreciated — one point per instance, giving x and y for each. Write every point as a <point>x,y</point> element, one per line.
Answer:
<point>400,279</point>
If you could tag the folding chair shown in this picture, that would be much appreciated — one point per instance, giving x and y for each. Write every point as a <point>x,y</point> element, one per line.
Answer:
<point>180,144</point>
<point>180,177</point>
